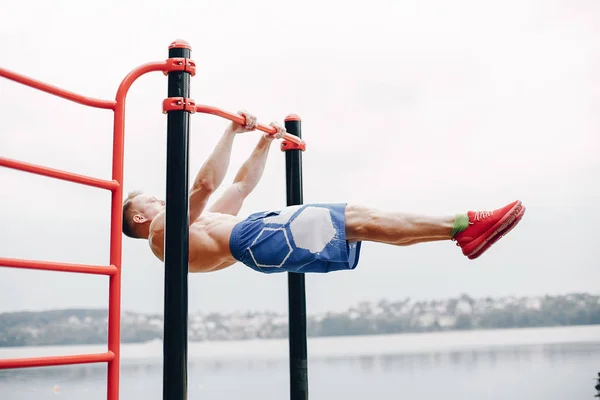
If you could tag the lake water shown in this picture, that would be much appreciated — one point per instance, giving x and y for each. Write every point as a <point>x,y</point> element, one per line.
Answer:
<point>520,364</point>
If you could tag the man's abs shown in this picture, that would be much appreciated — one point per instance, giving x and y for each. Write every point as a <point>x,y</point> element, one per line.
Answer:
<point>209,242</point>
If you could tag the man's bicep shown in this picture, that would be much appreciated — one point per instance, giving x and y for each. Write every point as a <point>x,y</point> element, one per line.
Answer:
<point>231,201</point>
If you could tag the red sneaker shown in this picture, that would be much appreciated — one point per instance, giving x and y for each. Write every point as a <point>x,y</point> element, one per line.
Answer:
<point>487,227</point>
<point>500,234</point>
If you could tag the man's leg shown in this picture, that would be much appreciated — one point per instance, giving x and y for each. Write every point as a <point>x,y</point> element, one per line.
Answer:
<point>400,229</point>
<point>474,231</point>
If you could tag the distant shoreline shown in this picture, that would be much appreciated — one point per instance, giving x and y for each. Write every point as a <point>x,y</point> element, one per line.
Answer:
<point>89,326</point>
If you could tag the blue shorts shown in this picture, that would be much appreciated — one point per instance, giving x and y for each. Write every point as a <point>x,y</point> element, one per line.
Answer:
<point>304,238</point>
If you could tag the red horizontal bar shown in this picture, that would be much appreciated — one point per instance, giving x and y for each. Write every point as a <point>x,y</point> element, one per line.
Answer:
<point>57,360</point>
<point>56,266</point>
<point>58,174</point>
<point>56,91</point>
<point>241,120</point>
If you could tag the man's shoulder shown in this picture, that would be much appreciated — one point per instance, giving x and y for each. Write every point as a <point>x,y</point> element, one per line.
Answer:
<point>158,223</point>
<point>156,235</point>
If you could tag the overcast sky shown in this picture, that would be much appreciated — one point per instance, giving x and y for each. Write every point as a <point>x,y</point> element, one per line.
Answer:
<point>423,106</point>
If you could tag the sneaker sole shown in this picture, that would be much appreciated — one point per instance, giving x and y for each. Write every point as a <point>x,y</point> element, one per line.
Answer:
<point>502,227</point>
<point>499,235</point>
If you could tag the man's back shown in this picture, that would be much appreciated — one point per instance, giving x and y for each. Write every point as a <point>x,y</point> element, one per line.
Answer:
<point>208,240</point>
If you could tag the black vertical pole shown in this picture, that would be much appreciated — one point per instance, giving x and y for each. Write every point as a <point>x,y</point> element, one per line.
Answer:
<point>296,291</point>
<point>176,236</point>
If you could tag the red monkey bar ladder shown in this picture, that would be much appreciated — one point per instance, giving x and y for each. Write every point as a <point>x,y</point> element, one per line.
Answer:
<point>115,185</point>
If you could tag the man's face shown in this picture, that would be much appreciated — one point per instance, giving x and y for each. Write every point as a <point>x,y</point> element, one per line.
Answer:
<point>146,205</point>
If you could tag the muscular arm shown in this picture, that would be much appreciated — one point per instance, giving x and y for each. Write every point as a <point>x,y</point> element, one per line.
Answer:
<point>245,181</point>
<point>213,170</point>
<point>252,170</point>
<point>247,177</point>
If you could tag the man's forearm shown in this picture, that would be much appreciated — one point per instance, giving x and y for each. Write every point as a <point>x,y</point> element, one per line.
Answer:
<point>213,171</point>
<point>252,170</point>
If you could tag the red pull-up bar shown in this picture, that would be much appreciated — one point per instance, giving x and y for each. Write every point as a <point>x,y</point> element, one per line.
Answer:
<point>242,120</point>
<point>180,103</point>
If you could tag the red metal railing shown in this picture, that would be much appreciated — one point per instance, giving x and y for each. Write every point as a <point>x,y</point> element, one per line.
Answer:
<point>113,271</point>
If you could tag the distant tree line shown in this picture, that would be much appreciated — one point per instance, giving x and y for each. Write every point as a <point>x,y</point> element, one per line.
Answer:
<point>88,326</point>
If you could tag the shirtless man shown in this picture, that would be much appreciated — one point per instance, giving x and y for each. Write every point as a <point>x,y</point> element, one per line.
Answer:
<point>308,238</point>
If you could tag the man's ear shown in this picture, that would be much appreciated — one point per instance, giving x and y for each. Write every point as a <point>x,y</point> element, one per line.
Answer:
<point>140,219</point>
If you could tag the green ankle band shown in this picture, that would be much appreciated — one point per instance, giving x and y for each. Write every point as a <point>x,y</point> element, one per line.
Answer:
<point>461,222</point>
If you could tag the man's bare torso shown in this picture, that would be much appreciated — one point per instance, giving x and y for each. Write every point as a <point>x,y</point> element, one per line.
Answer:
<point>208,241</point>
